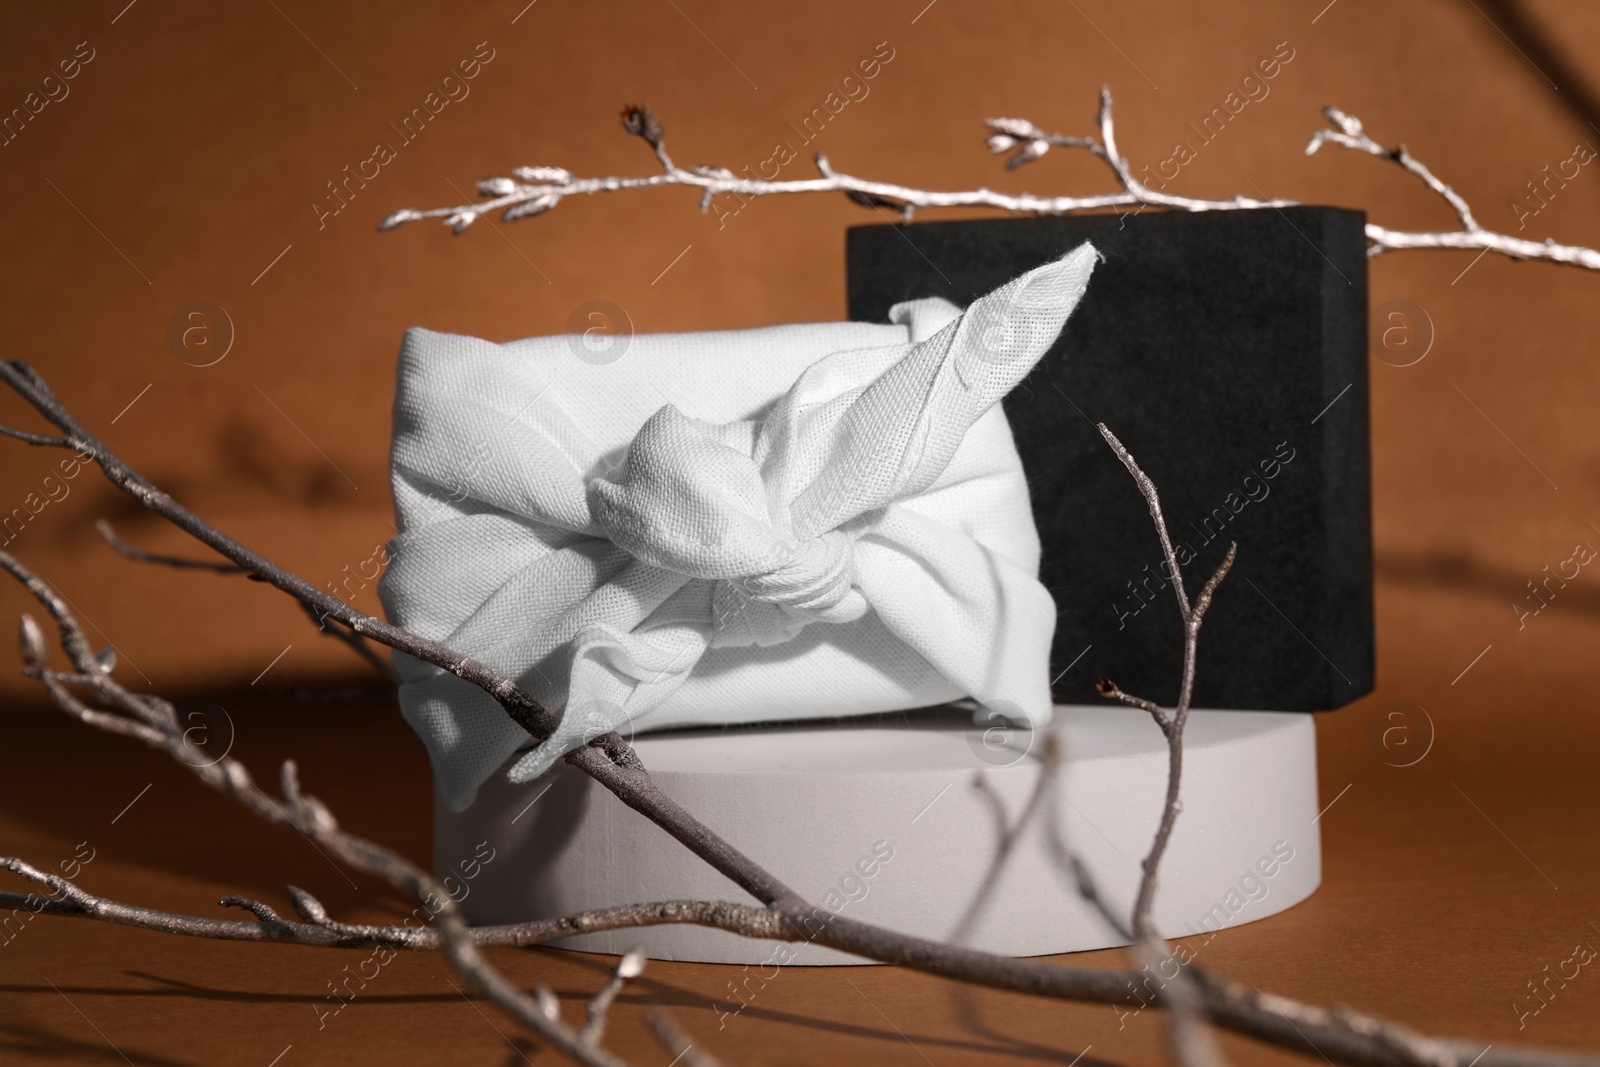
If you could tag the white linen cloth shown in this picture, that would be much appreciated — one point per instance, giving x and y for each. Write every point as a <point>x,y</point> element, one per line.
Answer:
<point>800,521</point>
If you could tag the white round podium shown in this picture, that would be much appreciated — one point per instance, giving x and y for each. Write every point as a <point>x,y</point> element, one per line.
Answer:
<point>880,819</point>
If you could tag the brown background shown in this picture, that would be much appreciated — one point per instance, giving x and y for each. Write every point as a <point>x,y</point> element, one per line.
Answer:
<point>187,157</point>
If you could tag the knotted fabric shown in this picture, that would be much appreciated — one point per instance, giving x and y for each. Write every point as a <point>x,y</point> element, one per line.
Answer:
<point>793,522</point>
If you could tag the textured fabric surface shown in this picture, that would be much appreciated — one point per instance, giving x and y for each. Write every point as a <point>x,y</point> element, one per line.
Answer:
<point>725,527</point>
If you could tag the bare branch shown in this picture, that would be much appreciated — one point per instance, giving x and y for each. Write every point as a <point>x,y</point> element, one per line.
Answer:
<point>629,967</point>
<point>297,811</point>
<point>349,638</point>
<point>182,563</point>
<point>39,439</point>
<point>1180,718</point>
<point>609,759</point>
<point>355,642</point>
<point>90,673</point>
<point>1203,601</point>
<point>675,1039</point>
<point>1192,1043</point>
<point>1354,1037</point>
<point>746,920</point>
<point>31,637</point>
<point>1348,132</point>
<point>535,190</point>
<point>1107,688</point>
<point>255,907</point>
<point>1152,500</point>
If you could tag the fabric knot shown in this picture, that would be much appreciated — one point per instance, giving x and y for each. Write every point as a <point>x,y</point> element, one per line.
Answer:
<point>814,585</point>
<point>816,580</point>
<point>689,498</point>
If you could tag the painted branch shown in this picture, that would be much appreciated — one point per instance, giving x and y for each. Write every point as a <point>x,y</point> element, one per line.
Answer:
<point>1348,132</point>
<point>534,190</point>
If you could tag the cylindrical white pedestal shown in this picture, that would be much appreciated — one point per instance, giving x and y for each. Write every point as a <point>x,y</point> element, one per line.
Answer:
<point>880,819</point>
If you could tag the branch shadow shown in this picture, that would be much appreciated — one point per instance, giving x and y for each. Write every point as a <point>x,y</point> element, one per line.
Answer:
<point>652,990</point>
<point>142,809</point>
<point>646,991</point>
<point>1524,33</point>
<point>1463,573</point>
<point>30,1042</point>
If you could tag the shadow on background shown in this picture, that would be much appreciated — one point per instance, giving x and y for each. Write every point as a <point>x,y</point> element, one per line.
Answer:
<point>646,992</point>
<point>1463,573</point>
<point>67,782</point>
<point>1525,34</point>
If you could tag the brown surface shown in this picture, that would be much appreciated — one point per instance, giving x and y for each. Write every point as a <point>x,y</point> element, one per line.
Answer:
<point>194,143</point>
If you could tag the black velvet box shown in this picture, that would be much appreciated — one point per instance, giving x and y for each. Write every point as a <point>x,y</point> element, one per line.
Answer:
<point>1228,351</point>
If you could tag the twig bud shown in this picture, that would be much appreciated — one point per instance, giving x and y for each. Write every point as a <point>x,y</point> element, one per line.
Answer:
<point>640,121</point>
<point>30,643</point>
<point>106,658</point>
<point>289,781</point>
<point>308,907</point>
<point>396,219</point>
<point>537,206</point>
<point>559,175</point>
<point>1020,129</point>
<point>1001,142</point>
<point>1027,153</point>
<point>549,1005</point>
<point>238,778</point>
<point>1347,124</point>
<point>631,965</point>
<point>499,186</point>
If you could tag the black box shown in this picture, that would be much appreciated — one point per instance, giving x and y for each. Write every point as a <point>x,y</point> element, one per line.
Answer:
<point>1228,351</point>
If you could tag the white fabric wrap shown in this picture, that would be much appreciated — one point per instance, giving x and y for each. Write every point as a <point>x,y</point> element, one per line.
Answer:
<point>794,522</point>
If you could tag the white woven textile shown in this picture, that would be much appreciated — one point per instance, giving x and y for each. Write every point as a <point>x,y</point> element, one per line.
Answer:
<point>727,527</point>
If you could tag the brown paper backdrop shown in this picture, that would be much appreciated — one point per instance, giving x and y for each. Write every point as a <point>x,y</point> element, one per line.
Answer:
<point>183,165</point>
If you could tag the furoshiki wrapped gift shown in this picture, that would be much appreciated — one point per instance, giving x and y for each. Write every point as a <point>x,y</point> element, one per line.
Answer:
<point>728,527</point>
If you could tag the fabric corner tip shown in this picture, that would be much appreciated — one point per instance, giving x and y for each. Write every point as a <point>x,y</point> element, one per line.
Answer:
<point>1059,284</point>
<point>1085,257</point>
